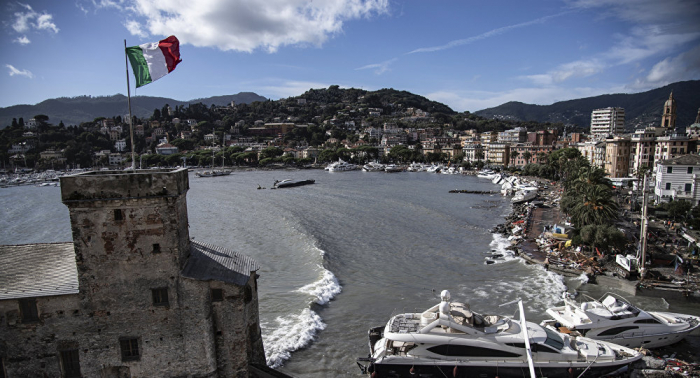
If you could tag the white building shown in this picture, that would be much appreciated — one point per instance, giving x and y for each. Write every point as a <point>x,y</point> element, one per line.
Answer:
<point>678,179</point>
<point>607,121</point>
<point>120,145</point>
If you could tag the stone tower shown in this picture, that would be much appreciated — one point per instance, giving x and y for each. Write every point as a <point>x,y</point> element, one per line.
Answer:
<point>668,119</point>
<point>156,303</point>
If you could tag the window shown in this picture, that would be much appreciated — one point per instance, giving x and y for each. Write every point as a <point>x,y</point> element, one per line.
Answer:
<point>616,331</point>
<point>647,321</point>
<point>28,310</point>
<point>470,351</point>
<point>553,339</point>
<point>688,187</point>
<point>130,348</point>
<point>160,296</point>
<point>669,169</point>
<point>690,170</point>
<point>156,248</point>
<point>118,216</point>
<point>668,186</point>
<point>70,363</point>
<point>217,295</point>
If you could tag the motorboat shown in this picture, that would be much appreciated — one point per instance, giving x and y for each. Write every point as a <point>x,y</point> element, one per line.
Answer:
<point>486,173</point>
<point>212,173</point>
<point>340,166</point>
<point>417,167</point>
<point>524,195</point>
<point>435,168</point>
<point>373,166</point>
<point>288,183</point>
<point>393,168</point>
<point>450,340</point>
<point>614,319</point>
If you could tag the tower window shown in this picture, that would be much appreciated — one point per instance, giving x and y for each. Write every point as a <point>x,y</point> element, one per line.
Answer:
<point>217,295</point>
<point>118,215</point>
<point>70,363</point>
<point>156,248</point>
<point>130,348</point>
<point>160,296</point>
<point>28,310</point>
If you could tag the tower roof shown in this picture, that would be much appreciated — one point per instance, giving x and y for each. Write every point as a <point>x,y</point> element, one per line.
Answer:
<point>37,270</point>
<point>210,262</point>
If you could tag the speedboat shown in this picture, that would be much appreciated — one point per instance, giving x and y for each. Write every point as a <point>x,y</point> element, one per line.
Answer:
<point>288,183</point>
<point>417,167</point>
<point>614,319</point>
<point>450,340</point>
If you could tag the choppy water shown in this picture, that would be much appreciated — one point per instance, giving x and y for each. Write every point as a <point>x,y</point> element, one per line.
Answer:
<point>341,255</point>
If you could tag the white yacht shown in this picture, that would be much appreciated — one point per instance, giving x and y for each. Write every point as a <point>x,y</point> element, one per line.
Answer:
<point>614,319</point>
<point>417,167</point>
<point>373,166</point>
<point>435,168</point>
<point>524,194</point>
<point>486,173</point>
<point>393,168</point>
<point>340,166</point>
<point>449,340</point>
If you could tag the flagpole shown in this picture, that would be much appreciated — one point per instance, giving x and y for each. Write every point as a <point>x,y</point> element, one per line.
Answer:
<point>131,119</point>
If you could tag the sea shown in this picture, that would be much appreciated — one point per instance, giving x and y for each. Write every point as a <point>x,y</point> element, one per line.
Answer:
<point>342,255</point>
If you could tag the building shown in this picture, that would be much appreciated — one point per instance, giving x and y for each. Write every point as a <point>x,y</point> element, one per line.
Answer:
<point>132,295</point>
<point>671,146</point>
<point>678,179</point>
<point>642,149</point>
<point>668,118</point>
<point>497,153</point>
<point>516,135</point>
<point>594,151</point>
<point>607,121</point>
<point>473,152</point>
<point>617,156</point>
<point>166,149</point>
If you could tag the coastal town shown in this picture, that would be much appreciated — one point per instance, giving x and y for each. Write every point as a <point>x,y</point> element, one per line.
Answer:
<point>619,209</point>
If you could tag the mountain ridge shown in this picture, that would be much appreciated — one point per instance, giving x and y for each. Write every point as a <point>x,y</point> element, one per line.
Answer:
<point>641,109</point>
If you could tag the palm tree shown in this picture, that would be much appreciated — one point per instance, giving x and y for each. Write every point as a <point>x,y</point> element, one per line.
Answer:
<point>527,155</point>
<point>514,155</point>
<point>595,205</point>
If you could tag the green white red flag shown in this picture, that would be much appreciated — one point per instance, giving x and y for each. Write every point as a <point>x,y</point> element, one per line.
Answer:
<point>151,61</point>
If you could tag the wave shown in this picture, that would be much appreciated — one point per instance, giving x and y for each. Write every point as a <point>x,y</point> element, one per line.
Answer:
<point>294,332</point>
<point>324,289</point>
<point>498,252</point>
<point>291,333</point>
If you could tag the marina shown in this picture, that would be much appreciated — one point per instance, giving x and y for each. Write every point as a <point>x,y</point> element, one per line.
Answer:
<point>321,248</point>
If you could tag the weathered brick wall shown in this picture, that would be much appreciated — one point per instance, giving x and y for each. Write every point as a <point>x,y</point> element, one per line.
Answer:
<point>117,268</point>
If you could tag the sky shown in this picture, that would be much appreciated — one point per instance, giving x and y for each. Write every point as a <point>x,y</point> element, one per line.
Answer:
<point>467,54</point>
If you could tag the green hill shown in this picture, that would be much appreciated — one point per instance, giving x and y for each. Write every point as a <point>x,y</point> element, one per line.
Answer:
<point>74,110</point>
<point>641,109</point>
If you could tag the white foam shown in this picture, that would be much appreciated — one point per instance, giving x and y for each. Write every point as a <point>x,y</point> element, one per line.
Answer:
<point>583,278</point>
<point>324,289</point>
<point>498,245</point>
<point>291,333</point>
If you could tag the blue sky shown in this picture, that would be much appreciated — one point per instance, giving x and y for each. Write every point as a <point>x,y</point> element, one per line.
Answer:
<point>468,54</point>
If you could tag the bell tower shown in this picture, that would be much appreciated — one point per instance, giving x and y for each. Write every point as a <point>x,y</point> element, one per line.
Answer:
<point>668,119</point>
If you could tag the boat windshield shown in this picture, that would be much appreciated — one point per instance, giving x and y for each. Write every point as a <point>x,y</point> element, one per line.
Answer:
<point>553,339</point>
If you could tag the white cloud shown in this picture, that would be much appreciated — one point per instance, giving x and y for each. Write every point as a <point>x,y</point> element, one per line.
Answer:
<point>135,29</point>
<point>15,72</point>
<point>247,25</point>
<point>23,40</point>
<point>29,19</point>
<point>685,66</point>
<point>380,67</point>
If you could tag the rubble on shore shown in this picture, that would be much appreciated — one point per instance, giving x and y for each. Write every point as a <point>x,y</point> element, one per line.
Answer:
<point>534,230</point>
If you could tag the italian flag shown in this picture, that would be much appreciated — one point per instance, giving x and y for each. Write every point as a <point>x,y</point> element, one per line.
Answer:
<point>151,61</point>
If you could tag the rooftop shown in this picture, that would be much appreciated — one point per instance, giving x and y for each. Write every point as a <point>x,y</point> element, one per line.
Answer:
<point>37,270</point>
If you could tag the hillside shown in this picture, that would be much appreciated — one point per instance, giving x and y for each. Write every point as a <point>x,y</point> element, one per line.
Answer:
<point>74,110</point>
<point>641,109</point>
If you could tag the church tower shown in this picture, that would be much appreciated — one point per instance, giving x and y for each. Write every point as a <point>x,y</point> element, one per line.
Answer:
<point>668,119</point>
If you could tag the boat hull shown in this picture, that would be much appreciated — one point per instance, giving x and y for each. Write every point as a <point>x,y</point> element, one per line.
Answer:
<point>490,370</point>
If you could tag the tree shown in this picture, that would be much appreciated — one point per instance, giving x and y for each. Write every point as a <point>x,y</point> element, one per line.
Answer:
<point>527,155</point>
<point>678,209</point>
<point>513,156</point>
<point>604,237</point>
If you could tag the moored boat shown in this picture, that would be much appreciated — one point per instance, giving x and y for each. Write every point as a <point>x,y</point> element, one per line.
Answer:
<point>614,319</point>
<point>450,340</point>
<point>288,183</point>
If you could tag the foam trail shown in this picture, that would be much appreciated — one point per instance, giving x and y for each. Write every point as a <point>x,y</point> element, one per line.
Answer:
<point>498,246</point>
<point>291,333</point>
<point>324,289</point>
<point>583,278</point>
